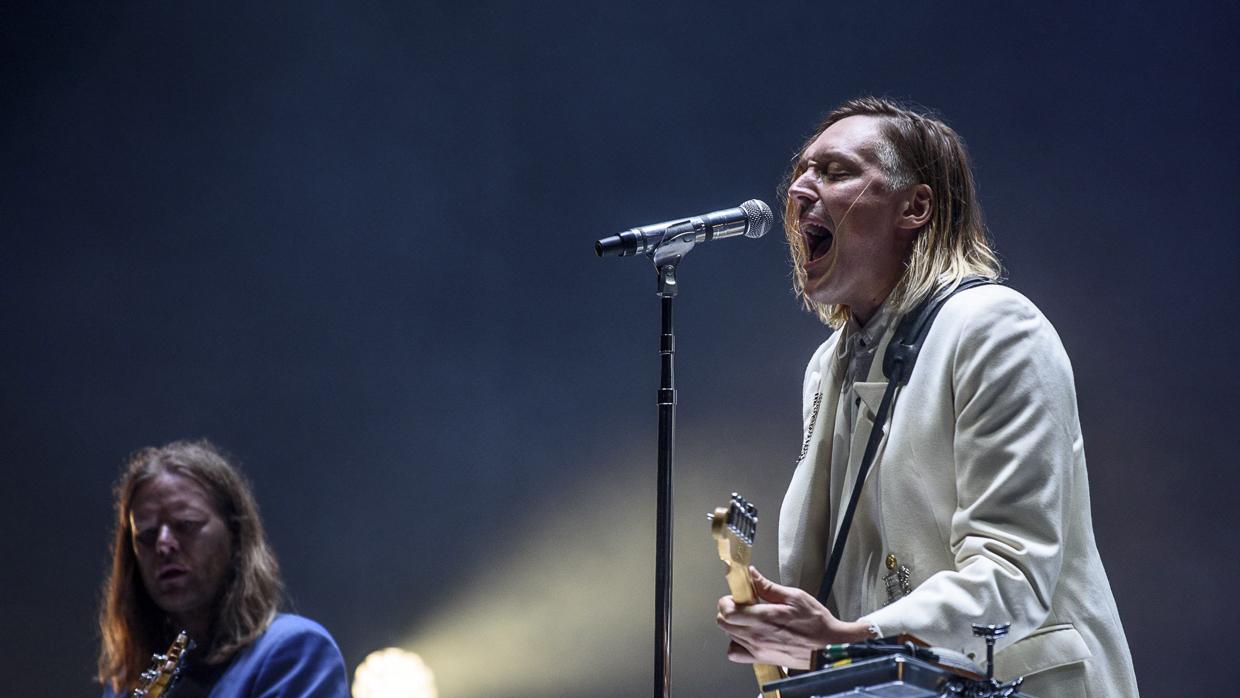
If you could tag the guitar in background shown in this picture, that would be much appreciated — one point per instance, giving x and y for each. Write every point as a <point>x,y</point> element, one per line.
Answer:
<point>165,669</point>
<point>733,527</point>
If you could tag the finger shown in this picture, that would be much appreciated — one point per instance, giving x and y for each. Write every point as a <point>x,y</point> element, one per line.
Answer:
<point>750,615</point>
<point>757,640</point>
<point>739,653</point>
<point>741,625</point>
<point>768,590</point>
<point>744,653</point>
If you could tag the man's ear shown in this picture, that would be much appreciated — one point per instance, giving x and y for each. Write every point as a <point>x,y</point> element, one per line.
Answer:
<point>918,206</point>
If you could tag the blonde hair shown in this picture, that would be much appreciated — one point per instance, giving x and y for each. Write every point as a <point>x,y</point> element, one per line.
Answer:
<point>131,626</point>
<point>918,148</point>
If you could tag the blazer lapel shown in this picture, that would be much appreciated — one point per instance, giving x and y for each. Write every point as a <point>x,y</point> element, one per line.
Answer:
<point>867,397</point>
<point>803,518</point>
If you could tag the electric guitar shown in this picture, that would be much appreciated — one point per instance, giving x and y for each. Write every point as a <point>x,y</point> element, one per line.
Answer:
<point>734,527</point>
<point>164,671</point>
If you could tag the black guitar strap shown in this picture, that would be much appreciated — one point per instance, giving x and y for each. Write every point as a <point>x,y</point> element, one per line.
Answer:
<point>898,362</point>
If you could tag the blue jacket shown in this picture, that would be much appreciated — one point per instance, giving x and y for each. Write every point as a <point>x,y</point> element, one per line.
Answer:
<point>294,658</point>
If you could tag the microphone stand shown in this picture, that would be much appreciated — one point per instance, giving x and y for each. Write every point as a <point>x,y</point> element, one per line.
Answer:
<point>666,257</point>
<point>675,240</point>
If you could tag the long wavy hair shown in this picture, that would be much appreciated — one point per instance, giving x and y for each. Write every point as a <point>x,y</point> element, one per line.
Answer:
<point>131,626</point>
<point>918,149</point>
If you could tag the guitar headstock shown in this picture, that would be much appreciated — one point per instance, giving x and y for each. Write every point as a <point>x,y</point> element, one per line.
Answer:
<point>165,669</point>
<point>734,527</point>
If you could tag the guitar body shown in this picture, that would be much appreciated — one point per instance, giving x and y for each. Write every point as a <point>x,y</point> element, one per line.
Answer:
<point>733,528</point>
<point>165,668</point>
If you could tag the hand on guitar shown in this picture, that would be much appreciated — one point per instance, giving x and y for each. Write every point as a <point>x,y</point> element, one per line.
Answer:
<point>783,627</point>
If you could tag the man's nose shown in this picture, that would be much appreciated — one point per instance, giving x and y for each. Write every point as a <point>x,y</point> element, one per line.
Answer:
<point>165,542</point>
<point>802,188</point>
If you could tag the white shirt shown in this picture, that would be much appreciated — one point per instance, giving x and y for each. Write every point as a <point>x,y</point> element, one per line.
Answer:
<point>864,549</point>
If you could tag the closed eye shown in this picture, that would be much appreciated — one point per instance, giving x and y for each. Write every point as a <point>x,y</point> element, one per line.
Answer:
<point>146,537</point>
<point>182,527</point>
<point>188,526</point>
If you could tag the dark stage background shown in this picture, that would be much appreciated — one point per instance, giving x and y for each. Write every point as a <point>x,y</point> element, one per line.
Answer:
<point>352,244</point>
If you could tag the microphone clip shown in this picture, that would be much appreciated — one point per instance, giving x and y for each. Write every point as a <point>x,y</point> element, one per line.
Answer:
<point>666,257</point>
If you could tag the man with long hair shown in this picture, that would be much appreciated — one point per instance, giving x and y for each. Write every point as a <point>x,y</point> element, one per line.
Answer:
<point>189,554</point>
<point>975,508</point>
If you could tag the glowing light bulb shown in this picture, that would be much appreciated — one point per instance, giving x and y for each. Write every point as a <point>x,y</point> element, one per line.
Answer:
<point>393,673</point>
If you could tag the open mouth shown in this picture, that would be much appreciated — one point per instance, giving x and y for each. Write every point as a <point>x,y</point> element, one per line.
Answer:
<point>817,240</point>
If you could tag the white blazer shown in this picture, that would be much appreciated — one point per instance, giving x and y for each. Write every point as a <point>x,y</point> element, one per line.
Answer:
<point>984,500</point>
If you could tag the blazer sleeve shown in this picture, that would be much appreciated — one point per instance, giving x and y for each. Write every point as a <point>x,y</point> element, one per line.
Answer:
<point>1017,448</point>
<point>303,661</point>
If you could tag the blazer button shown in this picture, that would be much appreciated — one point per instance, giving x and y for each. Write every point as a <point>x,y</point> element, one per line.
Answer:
<point>892,561</point>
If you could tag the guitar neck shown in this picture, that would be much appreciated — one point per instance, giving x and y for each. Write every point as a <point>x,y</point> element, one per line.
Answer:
<point>734,527</point>
<point>742,591</point>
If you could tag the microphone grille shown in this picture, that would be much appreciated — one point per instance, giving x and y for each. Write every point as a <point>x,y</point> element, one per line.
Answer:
<point>758,217</point>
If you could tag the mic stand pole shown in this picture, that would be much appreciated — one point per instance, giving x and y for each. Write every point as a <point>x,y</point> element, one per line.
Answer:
<point>665,257</point>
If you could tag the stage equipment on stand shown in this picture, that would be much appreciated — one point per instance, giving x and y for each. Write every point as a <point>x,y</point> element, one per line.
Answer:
<point>901,667</point>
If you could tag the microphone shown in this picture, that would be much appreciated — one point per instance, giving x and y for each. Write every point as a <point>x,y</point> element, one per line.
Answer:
<point>752,218</point>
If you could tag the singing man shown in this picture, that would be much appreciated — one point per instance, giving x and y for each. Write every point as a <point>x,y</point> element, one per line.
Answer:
<point>975,508</point>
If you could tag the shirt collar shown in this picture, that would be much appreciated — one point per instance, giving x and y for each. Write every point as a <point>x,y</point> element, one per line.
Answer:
<point>865,338</point>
